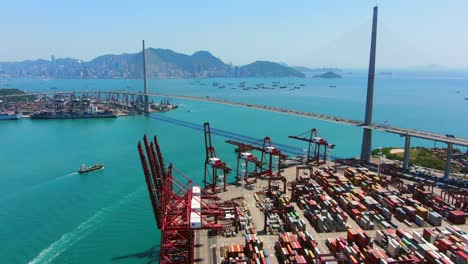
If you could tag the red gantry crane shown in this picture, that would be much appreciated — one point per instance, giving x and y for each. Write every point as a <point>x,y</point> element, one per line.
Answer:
<point>268,151</point>
<point>179,207</point>
<point>316,144</point>
<point>213,165</point>
<point>247,157</point>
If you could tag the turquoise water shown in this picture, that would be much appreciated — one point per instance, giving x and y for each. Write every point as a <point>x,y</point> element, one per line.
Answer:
<point>50,214</point>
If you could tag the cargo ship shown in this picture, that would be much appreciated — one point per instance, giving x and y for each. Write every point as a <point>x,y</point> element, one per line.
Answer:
<point>85,169</point>
<point>6,116</point>
<point>72,115</point>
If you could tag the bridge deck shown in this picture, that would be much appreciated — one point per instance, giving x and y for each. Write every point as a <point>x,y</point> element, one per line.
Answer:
<point>329,118</point>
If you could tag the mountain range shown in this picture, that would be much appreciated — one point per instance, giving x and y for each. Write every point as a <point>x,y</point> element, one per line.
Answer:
<point>160,63</point>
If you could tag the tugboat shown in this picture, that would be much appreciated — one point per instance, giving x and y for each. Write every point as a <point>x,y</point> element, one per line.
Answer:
<point>85,169</point>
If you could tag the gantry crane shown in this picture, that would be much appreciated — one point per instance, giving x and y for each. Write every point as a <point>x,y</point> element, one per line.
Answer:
<point>179,207</point>
<point>316,143</point>
<point>456,197</point>
<point>213,165</point>
<point>268,151</point>
<point>246,156</point>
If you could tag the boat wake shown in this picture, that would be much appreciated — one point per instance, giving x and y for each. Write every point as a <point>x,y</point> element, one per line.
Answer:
<point>61,177</point>
<point>84,229</point>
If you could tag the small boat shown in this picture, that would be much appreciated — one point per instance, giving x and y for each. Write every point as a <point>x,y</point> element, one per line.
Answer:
<point>85,169</point>
<point>332,86</point>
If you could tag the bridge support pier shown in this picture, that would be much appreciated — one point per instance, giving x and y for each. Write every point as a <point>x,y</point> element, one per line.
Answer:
<point>448,161</point>
<point>366,144</point>
<point>407,153</point>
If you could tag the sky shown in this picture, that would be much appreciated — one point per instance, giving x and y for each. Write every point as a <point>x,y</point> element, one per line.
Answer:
<point>314,33</point>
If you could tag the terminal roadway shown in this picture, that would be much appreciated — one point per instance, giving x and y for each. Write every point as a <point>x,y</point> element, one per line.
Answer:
<point>329,118</point>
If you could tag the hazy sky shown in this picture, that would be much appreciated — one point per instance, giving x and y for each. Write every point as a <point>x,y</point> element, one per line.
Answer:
<point>310,33</point>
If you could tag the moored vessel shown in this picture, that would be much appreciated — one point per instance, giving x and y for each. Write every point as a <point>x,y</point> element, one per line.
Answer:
<point>72,115</point>
<point>9,116</point>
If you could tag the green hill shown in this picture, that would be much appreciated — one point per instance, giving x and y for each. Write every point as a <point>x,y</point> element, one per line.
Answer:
<point>161,63</point>
<point>10,91</point>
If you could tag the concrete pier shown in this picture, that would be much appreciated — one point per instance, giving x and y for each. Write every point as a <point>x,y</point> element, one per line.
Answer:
<point>448,161</point>
<point>407,153</point>
<point>367,133</point>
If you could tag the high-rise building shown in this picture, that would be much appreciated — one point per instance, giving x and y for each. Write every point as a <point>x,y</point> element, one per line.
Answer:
<point>53,68</point>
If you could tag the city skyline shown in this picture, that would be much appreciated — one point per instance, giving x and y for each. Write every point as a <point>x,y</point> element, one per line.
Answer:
<point>299,33</point>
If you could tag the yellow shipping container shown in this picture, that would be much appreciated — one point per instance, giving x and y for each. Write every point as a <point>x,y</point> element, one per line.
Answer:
<point>422,212</point>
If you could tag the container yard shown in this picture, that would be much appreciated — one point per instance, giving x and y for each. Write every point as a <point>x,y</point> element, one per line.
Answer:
<point>315,212</point>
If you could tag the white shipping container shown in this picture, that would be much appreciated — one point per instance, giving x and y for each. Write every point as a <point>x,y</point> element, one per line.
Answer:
<point>196,204</point>
<point>378,236</point>
<point>195,220</point>
<point>196,191</point>
<point>393,248</point>
<point>417,236</point>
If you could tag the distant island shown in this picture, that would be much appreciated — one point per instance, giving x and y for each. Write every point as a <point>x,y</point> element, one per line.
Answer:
<point>268,69</point>
<point>306,69</point>
<point>385,73</point>
<point>328,75</point>
<point>161,63</point>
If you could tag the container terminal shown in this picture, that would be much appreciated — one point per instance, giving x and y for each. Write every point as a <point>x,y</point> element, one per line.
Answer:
<point>315,212</point>
<point>80,105</point>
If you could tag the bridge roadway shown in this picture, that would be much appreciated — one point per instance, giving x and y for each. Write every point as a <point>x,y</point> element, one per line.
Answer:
<point>339,120</point>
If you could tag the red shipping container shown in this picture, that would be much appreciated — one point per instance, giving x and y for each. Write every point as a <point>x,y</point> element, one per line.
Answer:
<point>463,255</point>
<point>457,217</point>
<point>355,213</point>
<point>351,235</point>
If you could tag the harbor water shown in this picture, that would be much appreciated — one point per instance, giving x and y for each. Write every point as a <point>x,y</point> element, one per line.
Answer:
<point>51,214</point>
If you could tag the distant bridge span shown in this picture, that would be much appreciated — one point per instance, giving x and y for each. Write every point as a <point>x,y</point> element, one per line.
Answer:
<point>344,121</point>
